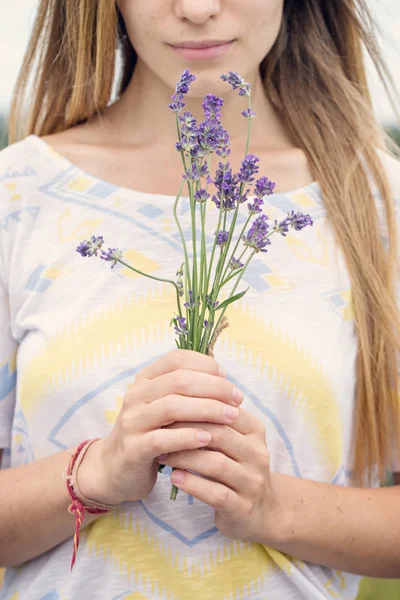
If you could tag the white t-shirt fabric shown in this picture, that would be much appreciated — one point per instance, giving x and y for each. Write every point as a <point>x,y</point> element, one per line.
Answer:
<point>74,333</point>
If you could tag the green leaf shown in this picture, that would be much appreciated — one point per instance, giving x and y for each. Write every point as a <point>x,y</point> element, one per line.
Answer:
<point>230,300</point>
<point>233,274</point>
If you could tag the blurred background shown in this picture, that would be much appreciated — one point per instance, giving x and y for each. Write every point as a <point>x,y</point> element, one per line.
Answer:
<point>16,19</point>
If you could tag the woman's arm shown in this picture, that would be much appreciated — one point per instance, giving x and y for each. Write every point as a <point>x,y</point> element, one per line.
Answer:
<point>351,529</point>
<point>34,513</point>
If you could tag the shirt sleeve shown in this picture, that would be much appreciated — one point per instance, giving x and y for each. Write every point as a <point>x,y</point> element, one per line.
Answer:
<point>8,373</point>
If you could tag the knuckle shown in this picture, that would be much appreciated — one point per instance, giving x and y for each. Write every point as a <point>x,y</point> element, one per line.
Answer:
<point>176,360</point>
<point>246,509</point>
<point>180,381</point>
<point>222,497</point>
<point>168,408</point>
<point>262,457</point>
<point>154,442</point>
<point>221,465</point>
<point>258,481</point>
<point>124,422</point>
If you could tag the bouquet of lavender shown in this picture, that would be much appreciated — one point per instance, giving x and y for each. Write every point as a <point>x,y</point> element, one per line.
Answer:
<point>201,279</point>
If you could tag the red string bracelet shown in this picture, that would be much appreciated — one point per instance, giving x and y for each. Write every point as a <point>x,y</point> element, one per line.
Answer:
<point>80,503</point>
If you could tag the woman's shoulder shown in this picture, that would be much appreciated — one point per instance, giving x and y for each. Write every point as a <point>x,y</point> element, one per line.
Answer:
<point>23,160</point>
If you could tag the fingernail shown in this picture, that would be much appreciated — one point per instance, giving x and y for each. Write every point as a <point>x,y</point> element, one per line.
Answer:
<point>161,457</point>
<point>177,477</point>
<point>237,396</point>
<point>231,413</point>
<point>203,436</point>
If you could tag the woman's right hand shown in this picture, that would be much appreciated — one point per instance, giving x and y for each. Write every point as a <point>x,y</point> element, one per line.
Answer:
<point>180,386</point>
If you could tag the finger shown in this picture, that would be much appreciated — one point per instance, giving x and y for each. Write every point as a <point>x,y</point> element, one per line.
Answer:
<point>246,424</point>
<point>216,495</point>
<point>164,441</point>
<point>181,359</point>
<point>185,382</point>
<point>225,439</point>
<point>164,411</point>
<point>216,465</point>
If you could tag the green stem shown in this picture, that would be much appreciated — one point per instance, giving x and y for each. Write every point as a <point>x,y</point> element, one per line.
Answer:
<point>232,227</point>
<point>187,268</point>
<point>236,245</point>
<point>235,287</point>
<point>156,279</point>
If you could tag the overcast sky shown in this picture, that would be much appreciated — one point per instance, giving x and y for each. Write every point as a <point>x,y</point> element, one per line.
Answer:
<point>16,17</point>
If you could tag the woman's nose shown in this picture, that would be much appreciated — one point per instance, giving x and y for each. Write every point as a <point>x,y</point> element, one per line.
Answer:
<point>197,11</point>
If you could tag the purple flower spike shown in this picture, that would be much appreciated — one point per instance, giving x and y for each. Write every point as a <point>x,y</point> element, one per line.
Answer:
<point>90,247</point>
<point>112,255</point>
<point>264,187</point>
<point>299,220</point>
<point>208,325</point>
<point>294,220</point>
<point>235,264</point>
<point>257,236</point>
<point>182,88</point>
<point>186,78</point>
<point>249,114</point>
<point>282,227</point>
<point>222,237</point>
<point>201,195</point>
<point>256,206</point>
<point>212,106</point>
<point>249,168</point>
<point>191,303</point>
<point>237,83</point>
<point>180,325</point>
<point>208,302</point>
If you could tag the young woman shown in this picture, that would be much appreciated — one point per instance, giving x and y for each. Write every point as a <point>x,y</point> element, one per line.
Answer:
<point>300,402</point>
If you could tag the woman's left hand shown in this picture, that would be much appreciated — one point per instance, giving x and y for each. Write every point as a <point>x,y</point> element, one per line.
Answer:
<point>237,461</point>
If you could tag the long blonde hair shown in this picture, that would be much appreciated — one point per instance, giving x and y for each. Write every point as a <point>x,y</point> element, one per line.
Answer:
<point>315,75</point>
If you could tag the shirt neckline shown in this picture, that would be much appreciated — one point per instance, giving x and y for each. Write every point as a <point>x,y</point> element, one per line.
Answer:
<point>61,159</point>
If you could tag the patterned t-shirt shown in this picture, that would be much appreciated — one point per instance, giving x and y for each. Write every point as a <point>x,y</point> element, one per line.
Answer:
<point>74,333</point>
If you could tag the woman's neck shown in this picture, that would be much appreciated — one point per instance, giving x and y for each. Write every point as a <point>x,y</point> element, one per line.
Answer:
<point>141,115</point>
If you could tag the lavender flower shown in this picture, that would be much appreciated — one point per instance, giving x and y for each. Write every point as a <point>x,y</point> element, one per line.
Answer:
<point>192,175</point>
<point>211,135</point>
<point>186,78</point>
<point>112,255</point>
<point>237,83</point>
<point>182,88</point>
<point>192,302</point>
<point>208,325</point>
<point>249,168</point>
<point>235,264</point>
<point>257,236</point>
<point>189,133</point>
<point>227,185</point>
<point>222,237</point>
<point>180,325</point>
<point>209,302</point>
<point>179,282</point>
<point>255,207</point>
<point>90,247</point>
<point>264,187</point>
<point>248,113</point>
<point>299,220</point>
<point>282,227</point>
<point>294,220</point>
<point>212,106</point>
<point>201,195</point>
<point>223,144</point>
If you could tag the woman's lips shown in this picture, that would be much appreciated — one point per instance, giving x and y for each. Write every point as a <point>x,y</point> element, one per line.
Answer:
<point>202,51</point>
